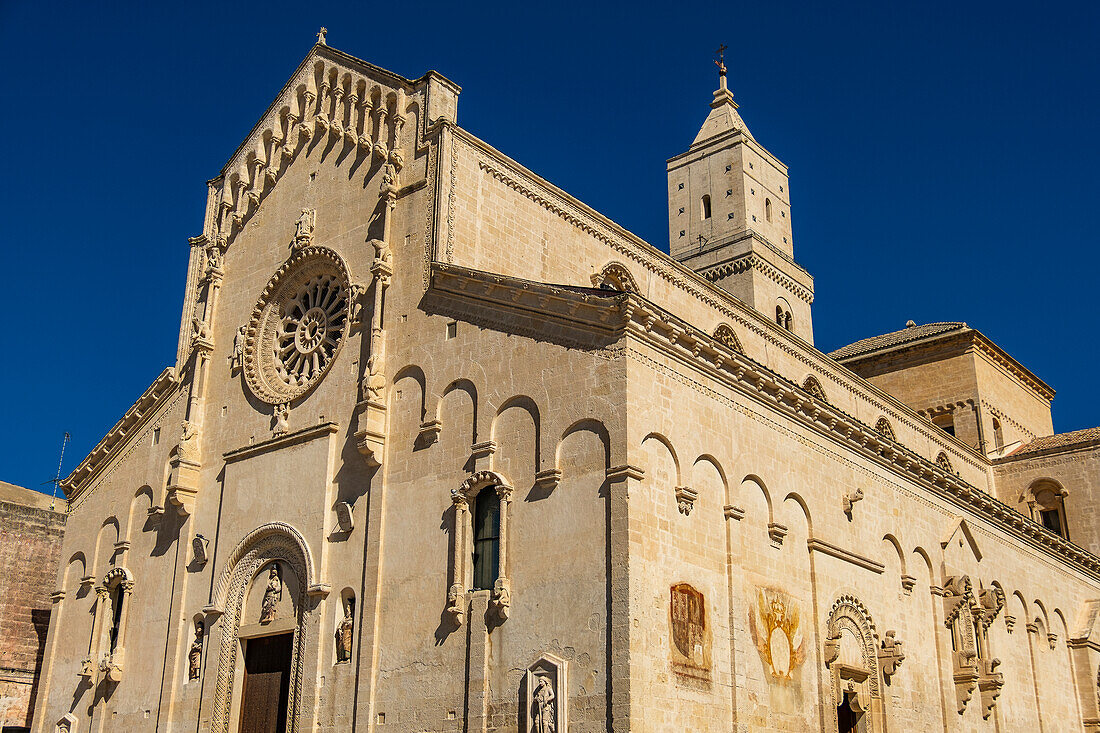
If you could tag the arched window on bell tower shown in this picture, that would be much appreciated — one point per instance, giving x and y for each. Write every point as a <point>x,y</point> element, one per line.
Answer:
<point>705,206</point>
<point>486,558</point>
<point>768,209</point>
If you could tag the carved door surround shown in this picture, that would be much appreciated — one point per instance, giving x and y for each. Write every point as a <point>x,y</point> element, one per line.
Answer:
<point>277,542</point>
<point>853,672</point>
<point>462,545</point>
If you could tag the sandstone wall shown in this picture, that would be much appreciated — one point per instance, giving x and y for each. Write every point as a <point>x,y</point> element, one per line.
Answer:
<point>30,546</point>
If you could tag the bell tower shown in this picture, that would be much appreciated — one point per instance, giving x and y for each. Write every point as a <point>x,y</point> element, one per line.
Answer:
<point>729,216</point>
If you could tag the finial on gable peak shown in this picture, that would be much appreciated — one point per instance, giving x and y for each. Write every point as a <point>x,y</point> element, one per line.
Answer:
<point>321,36</point>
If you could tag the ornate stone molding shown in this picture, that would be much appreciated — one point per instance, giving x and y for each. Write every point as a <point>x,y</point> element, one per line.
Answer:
<point>111,444</point>
<point>753,261</point>
<point>313,290</point>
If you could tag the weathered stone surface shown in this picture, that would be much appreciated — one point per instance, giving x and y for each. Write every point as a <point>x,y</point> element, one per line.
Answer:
<point>699,521</point>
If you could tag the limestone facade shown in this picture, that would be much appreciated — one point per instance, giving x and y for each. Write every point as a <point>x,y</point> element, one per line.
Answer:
<point>445,449</point>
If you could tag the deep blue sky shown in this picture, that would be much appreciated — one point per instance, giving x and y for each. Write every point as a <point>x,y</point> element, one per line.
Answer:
<point>943,161</point>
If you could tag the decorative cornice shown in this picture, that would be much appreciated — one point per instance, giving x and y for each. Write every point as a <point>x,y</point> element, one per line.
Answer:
<point>676,338</point>
<point>753,261</point>
<point>828,548</point>
<point>282,441</point>
<point>512,174</point>
<point>574,317</point>
<point>115,438</point>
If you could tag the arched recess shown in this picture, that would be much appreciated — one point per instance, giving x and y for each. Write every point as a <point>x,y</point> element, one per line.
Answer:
<point>905,579</point>
<point>671,452</point>
<point>454,425</point>
<point>105,543</point>
<point>139,511</point>
<point>851,658</point>
<point>753,485</point>
<point>615,276</point>
<point>408,405</point>
<point>724,335</point>
<point>460,386</point>
<point>723,483</point>
<point>278,542</point>
<point>517,432</point>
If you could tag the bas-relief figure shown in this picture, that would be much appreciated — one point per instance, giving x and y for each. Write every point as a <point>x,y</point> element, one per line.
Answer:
<point>272,595</point>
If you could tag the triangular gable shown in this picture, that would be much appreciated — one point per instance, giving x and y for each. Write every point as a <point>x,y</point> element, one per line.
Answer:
<point>332,95</point>
<point>958,531</point>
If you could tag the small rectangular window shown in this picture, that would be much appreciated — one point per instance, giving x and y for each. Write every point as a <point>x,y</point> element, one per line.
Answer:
<point>452,329</point>
<point>1051,520</point>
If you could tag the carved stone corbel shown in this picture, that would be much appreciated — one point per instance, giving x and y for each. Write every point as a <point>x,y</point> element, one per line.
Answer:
<point>185,464</point>
<point>501,601</point>
<point>685,499</point>
<point>850,499</point>
<point>890,656</point>
<point>776,533</point>
<point>456,603</point>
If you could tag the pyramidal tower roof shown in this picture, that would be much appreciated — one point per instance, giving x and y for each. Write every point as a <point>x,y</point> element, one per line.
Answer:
<point>723,117</point>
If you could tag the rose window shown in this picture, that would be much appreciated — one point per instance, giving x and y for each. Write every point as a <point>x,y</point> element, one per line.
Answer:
<point>298,326</point>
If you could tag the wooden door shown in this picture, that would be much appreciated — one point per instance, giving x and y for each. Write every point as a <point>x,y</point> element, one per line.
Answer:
<point>266,684</point>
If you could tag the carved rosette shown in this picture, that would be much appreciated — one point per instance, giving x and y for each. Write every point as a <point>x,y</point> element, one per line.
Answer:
<point>298,326</point>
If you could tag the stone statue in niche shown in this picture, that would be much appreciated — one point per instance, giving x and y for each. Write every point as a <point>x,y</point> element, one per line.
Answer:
<point>547,698</point>
<point>344,633</point>
<point>382,252</point>
<point>303,230</point>
<point>542,716</point>
<point>236,359</point>
<point>188,448</point>
<point>194,655</point>
<point>272,595</point>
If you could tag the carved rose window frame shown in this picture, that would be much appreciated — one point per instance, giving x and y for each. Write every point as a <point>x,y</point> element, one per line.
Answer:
<point>462,545</point>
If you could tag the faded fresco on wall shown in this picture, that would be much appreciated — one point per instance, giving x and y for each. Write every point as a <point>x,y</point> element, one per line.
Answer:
<point>775,624</point>
<point>690,648</point>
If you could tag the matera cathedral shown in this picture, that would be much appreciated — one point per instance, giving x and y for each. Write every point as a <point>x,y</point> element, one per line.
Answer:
<point>444,449</point>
